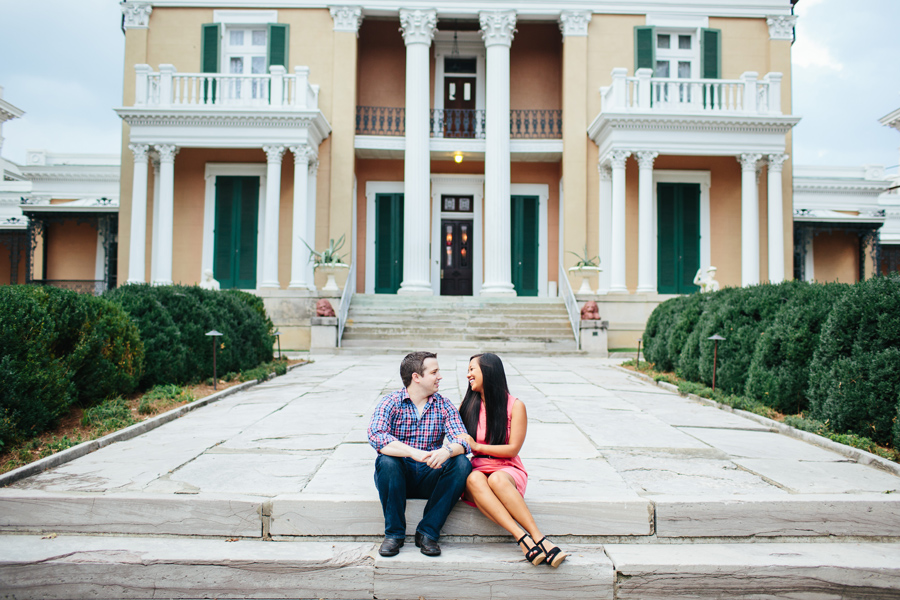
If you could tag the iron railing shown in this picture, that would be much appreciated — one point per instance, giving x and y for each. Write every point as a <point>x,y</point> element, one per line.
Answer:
<point>346,298</point>
<point>535,124</point>
<point>459,123</point>
<point>565,289</point>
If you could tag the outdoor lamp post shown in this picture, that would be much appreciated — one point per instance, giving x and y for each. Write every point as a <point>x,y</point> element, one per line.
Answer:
<point>715,337</point>
<point>214,334</point>
<point>637,360</point>
<point>277,335</point>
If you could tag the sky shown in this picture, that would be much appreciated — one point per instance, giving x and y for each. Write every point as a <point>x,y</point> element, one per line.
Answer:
<point>61,61</point>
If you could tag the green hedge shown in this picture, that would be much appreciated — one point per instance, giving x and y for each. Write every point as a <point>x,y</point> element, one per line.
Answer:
<point>855,373</point>
<point>174,319</point>
<point>779,370</point>
<point>57,348</point>
<point>833,349</point>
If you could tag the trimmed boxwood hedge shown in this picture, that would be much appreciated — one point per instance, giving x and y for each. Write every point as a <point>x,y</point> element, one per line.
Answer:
<point>57,348</point>
<point>855,373</point>
<point>174,319</point>
<point>661,321</point>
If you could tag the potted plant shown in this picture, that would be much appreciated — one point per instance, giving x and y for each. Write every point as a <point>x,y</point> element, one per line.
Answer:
<point>329,262</point>
<point>585,266</point>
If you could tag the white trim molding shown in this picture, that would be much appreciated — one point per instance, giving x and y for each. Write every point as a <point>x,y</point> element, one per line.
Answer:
<point>245,17</point>
<point>542,191</point>
<point>212,171</point>
<point>671,176</point>
<point>374,188</point>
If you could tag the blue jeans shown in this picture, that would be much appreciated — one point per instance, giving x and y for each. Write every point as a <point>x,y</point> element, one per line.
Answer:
<point>400,478</point>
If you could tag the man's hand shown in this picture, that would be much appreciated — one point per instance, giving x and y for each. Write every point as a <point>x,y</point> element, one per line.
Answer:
<point>436,458</point>
<point>473,445</point>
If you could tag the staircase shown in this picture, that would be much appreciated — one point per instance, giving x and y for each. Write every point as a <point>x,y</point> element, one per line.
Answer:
<point>390,322</point>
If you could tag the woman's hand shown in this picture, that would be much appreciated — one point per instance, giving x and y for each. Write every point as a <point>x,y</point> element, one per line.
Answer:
<point>473,445</point>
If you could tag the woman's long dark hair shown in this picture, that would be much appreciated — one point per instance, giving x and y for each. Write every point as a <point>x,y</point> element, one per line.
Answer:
<point>496,393</point>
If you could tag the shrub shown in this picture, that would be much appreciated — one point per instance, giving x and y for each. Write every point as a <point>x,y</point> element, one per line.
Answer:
<point>694,323</point>
<point>739,317</point>
<point>656,333</point>
<point>110,415</point>
<point>58,347</point>
<point>855,373</point>
<point>779,369</point>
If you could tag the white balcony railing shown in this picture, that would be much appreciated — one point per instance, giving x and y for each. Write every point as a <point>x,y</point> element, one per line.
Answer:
<point>274,91</point>
<point>748,95</point>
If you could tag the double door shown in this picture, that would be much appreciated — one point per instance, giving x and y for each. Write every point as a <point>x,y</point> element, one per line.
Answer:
<point>678,240</point>
<point>235,235</point>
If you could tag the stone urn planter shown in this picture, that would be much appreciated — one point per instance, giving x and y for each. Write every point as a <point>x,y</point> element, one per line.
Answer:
<point>330,270</point>
<point>585,273</point>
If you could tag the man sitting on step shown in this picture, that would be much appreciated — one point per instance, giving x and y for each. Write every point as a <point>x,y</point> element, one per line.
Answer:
<point>408,430</point>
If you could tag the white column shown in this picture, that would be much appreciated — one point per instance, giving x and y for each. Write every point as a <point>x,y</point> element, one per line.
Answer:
<point>497,28</point>
<point>604,227</point>
<point>163,271</point>
<point>154,238</point>
<point>617,285</point>
<point>646,272</point>
<point>418,28</point>
<point>749,220</point>
<point>311,217</point>
<point>776,218</point>
<point>270,230</point>
<point>138,242</point>
<point>299,230</point>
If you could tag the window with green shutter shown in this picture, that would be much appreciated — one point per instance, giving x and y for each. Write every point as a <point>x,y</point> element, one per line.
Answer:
<point>210,50</point>
<point>644,48</point>
<point>711,53</point>
<point>279,35</point>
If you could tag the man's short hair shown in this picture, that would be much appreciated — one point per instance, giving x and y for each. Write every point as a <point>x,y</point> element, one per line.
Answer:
<point>414,362</point>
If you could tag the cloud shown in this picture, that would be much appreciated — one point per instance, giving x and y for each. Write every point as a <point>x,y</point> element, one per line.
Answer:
<point>808,52</point>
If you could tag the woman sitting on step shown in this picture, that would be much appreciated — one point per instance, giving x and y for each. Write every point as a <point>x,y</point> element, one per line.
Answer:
<point>496,423</point>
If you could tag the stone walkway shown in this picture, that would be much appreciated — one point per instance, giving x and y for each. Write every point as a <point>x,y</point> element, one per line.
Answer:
<point>616,464</point>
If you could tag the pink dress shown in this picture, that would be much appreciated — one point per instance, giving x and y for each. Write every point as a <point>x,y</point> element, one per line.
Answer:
<point>488,465</point>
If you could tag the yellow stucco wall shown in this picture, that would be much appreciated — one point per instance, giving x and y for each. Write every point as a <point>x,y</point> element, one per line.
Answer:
<point>71,250</point>
<point>836,257</point>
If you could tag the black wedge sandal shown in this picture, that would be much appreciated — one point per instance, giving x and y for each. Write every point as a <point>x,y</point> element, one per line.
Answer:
<point>554,557</point>
<point>536,554</point>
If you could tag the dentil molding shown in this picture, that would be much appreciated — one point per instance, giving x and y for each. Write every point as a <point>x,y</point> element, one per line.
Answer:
<point>497,27</point>
<point>346,18</point>
<point>137,14</point>
<point>574,22</point>
<point>781,27</point>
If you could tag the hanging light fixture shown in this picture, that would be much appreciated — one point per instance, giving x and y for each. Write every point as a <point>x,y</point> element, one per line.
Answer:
<point>458,157</point>
<point>454,52</point>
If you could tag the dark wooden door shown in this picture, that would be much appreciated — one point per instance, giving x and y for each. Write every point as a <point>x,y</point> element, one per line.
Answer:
<point>524,239</point>
<point>235,234</point>
<point>388,243</point>
<point>456,257</point>
<point>678,241</point>
<point>459,107</point>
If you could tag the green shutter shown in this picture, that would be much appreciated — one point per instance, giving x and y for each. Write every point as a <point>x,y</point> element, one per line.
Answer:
<point>644,48</point>
<point>247,240</point>
<point>665,244</point>
<point>223,235</point>
<point>210,35</point>
<point>278,45</point>
<point>690,237</point>
<point>388,243</point>
<point>711,53</point>
<point>678,238</point>
<point>235,235</point>
<point>524,244</point>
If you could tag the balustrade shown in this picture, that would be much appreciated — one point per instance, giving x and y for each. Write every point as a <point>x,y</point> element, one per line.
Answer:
<point>460,123</point>
<point>380,120</point>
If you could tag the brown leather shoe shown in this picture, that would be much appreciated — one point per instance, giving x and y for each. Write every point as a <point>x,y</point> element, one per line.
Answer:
<point>390,546</point>
<point>427,546</point>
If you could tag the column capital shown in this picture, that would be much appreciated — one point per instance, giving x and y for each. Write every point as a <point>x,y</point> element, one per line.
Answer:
<point>605,172</point>
<point>274,153</point>
<point>346,18</point>
<point>617,158</point>
<point>166,152</point>
<point>776,161</point>
<point>418,26</point>
<point>781,27</point>
<point>574,22</point>
<point>137,14</point>
<point>497,27</point>
<point>303,153</point>
<point>748,161</point>
<point>140,151</point>
<point>645,159</point>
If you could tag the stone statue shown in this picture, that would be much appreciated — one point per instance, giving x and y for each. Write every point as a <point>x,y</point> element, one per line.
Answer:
<point>324,308</point>
<point>590,311</point>
<point>209,283</point>
<point>708,283</point>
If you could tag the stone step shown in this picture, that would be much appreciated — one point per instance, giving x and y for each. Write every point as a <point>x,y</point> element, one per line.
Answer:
<point>71,567</point>
<point>335,516</point>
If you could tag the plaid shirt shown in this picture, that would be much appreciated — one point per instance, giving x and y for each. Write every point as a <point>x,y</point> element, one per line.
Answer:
<point>396,419</point>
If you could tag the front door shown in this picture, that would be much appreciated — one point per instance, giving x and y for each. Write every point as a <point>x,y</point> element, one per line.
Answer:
<point>237,210</point>
<point>524,238</point>
<point>456,257</point>
<point>388,243</point>
<point>459,107</point>
<point>678,242</point>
